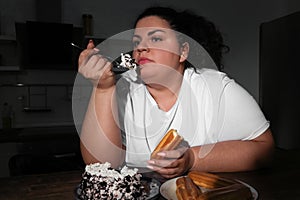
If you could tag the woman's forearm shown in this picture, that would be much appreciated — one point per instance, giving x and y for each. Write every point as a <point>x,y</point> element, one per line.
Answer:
<point>100,135</point>
<point>234,155</point>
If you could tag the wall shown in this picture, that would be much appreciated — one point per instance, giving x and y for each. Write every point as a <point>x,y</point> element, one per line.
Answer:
<point>15,10</point>
<point>239,21</point>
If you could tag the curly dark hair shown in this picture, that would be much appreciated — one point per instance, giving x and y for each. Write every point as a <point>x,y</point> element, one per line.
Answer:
<point>196,27</point>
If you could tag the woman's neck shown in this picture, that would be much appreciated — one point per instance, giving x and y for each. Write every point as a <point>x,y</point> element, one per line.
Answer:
<point>166,95</point>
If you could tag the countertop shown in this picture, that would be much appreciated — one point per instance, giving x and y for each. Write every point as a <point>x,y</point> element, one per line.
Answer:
<point>37,133</point>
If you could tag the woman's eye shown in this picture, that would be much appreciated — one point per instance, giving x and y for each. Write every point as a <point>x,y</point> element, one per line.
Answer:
<point>135,43</point>
<point>156,39</point>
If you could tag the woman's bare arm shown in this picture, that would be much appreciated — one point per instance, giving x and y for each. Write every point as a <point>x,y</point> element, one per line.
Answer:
<point>231,156</point>
<point>228,156</point>
<point>100,135</point>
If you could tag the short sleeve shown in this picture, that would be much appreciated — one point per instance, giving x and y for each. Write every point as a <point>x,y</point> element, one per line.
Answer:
<point>243,118</point>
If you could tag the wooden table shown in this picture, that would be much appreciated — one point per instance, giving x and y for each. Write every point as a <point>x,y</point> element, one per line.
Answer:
<point>54,186</point>
<point>281,181</point>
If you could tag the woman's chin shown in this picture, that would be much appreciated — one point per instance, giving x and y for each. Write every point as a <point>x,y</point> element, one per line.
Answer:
<point>147,79</point>
<point>148,73</point>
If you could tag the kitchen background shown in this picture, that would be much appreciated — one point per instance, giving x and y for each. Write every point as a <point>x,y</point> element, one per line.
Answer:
<point>37,98</point>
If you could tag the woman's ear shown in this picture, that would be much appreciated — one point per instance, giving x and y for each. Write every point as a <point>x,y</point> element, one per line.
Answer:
<point>185,48</point>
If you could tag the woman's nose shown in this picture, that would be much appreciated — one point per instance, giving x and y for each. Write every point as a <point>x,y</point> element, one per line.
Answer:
<point>142,47</point>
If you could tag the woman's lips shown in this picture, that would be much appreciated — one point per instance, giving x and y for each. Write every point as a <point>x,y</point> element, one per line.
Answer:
<point>142,61</point>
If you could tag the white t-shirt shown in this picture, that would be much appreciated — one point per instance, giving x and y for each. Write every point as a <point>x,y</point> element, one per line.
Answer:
<point>210,108</point>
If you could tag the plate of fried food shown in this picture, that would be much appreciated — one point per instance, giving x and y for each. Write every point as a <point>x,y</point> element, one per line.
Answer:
<point>204,186</point>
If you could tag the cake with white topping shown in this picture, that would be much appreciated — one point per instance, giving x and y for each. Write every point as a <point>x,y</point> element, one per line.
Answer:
<point>124,63</point>
<point>127,61</point>
<point>100,181</point>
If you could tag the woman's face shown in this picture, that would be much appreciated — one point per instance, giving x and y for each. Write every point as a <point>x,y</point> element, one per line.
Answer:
<point>156,49</point>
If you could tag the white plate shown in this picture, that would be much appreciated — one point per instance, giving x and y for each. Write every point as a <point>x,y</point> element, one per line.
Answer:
<point>168,189</point>
<point>154,189</point>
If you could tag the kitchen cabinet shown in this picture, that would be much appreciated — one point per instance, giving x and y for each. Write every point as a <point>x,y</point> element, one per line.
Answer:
<point>279,78</point>
<point>7,150</point>
<point>39,150</point>
<point>9,60</point>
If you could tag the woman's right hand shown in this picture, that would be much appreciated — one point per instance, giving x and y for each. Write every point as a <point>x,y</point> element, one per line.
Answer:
<point>95,67</point>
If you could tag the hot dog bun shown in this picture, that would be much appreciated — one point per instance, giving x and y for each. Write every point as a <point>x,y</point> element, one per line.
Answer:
<point>169,142</point>
<point>210,181</point>
<point>219,187</point>
<point>186,189</point>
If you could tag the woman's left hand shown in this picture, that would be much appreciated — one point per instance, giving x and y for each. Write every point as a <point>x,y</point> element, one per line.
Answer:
<point>173,163</point>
